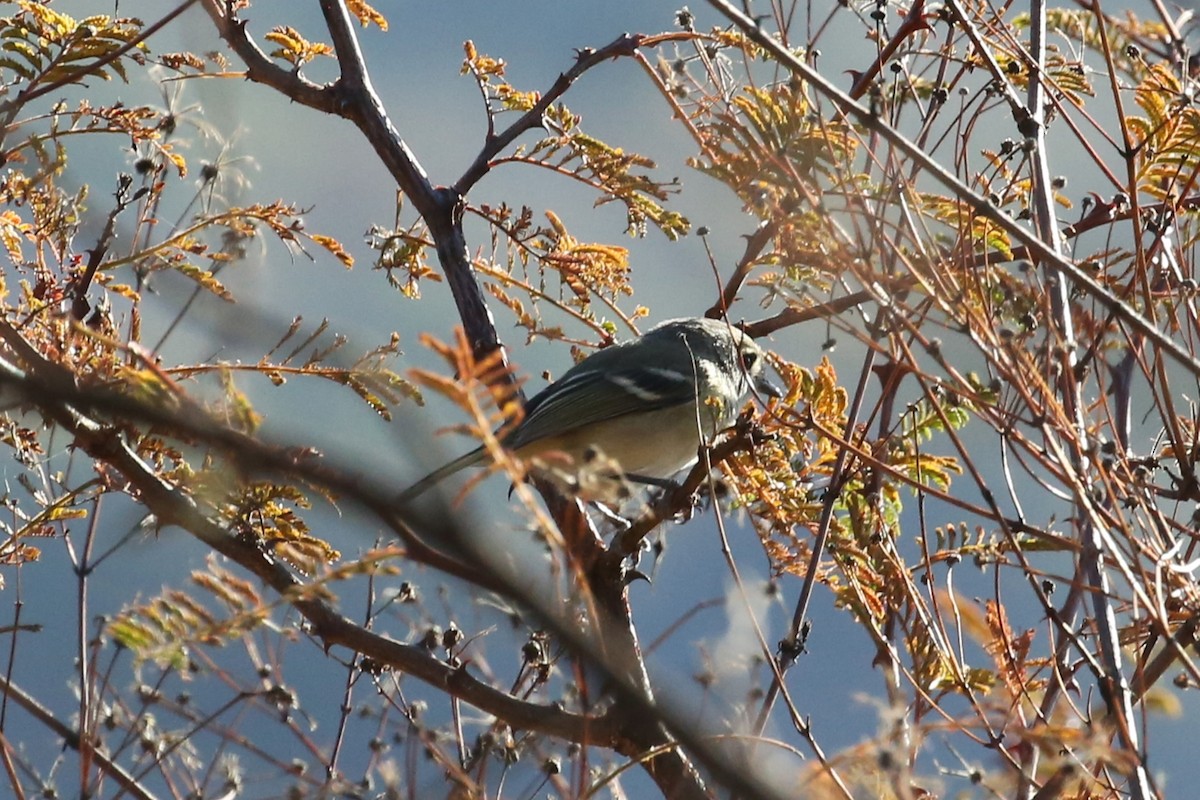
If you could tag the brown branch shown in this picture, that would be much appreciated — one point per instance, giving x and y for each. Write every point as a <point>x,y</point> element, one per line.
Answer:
<point>1178,45</point>
<point>636,725</point>
<point>1036,247</point>
<point>1000,80</point>
<point>45,380</point>
<point>172,506</point>
<point>354,98</point>
<point>1102,213</point>
<point>755,243</point>
<point>794,316</point>
<point>82,282</point>
<point>1092,551</point>
<point>743,437</point>
<point>624,45</point>
<point>71,738</point>
<point>913,23</point>
<point>261,69</point>
<point>10,107</point>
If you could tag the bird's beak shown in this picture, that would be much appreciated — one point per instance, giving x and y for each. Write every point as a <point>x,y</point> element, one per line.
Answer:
<point>764,385</point>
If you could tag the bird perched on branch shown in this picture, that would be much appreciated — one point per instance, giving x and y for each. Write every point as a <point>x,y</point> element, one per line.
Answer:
<point>648,403</point>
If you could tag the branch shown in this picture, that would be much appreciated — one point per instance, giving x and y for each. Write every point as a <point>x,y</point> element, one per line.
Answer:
<point>637,726</point>
<point>1036,247</point>
<point>354,98</point>
<point>755,244</point>
<point>624,45</point>
<point>259,66</point>
<point>1121,698</point>
<point>914,22</point>
<point>1102,213</point>
<point>644,724</point>
<point>82,282</point>
<point>71,738</point>
<point>744,437</point>
<point>172,506</point>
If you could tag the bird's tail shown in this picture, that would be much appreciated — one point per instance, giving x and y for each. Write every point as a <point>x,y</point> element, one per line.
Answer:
<point>438,475</point>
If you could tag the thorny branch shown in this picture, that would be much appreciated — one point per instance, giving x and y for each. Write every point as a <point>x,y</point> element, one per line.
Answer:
<point>1036,247</point>
<point>1031,399</point>
<point>57,395</point>
<point>633,727</point>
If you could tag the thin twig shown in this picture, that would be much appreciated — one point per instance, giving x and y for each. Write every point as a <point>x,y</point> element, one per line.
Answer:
<point>1037,249</point>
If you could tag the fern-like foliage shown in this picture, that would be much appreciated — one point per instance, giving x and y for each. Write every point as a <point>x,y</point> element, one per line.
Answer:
<point>43,46</point>
<point>165,629</point>
<point>1166,138</point>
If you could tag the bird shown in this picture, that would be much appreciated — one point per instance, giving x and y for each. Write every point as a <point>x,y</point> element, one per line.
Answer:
<point>647,403</point>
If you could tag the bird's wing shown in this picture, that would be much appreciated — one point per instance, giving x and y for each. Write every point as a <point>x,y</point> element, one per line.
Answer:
<point>597,395</point>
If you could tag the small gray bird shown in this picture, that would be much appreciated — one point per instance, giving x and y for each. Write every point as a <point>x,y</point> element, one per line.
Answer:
<point>647,403</point>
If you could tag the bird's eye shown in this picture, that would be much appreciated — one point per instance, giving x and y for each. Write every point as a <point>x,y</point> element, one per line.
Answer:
<point>749,360</point>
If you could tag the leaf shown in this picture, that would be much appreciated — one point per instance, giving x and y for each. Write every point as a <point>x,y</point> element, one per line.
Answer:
<point>123,290</point>
<point>1167,139</point>
<point>403,251</point>
<point>362,390</point>
<point>513,304</point>
<point>335,247</point>
<point>770,148</point>
<point>205,279</point>
<point>964,218</point>
<point>586,268</point>
<point>366,15</point>
<point>619,175</point>
<point>239,413</point>
<point>294,48</point>
<point>12,231</point>
<point>165,628</point>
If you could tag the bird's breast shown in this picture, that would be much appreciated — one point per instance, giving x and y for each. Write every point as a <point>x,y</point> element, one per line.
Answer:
<point>656,444</point>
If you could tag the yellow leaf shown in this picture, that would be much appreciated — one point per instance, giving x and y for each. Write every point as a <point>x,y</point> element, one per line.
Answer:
<point>294,48</point>
<point>366,15</point>
<point>128,292</point>
<point>334,247</point>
